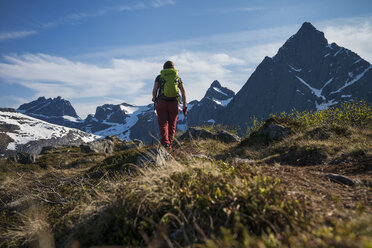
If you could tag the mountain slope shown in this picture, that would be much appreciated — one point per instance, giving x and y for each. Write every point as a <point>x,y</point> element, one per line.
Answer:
<point>307,73</point>
<point>27,134</point>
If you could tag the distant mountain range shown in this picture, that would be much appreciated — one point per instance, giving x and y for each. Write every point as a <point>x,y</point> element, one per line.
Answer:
<point>307,73</point>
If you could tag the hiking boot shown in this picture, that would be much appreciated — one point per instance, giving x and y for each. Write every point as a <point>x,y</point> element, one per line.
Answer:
<point>166,146</point>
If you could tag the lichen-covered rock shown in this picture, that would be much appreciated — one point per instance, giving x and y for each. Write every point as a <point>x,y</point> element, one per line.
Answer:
<point>99,146</point>
<point>227,137</point>
<point>158,156</point>
<point>131,144</point>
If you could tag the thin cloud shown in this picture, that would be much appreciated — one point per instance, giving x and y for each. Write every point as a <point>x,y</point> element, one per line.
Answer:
<point>16,34</point>
<point>73,18</point>
<point>130,80</point>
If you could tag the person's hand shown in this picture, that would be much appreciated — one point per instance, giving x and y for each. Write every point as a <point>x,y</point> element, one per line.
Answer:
<point>153,99</point>
<point>184,110</point>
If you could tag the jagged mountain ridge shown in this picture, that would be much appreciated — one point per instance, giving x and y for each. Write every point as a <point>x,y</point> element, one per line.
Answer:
<point>130,122</point>
<point>307,73</point>
<point>57,111</point>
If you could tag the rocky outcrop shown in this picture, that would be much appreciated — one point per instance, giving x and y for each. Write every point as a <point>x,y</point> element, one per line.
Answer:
<point>132,144</point>
<point>201,133</point>
<point>22,157</point>
<point>227,137</point>
<point>273,131</point>
<point>158,156</point>
<point>98,146</point>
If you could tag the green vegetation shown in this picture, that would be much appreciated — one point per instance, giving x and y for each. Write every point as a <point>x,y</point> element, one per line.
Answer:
<point>206,197</point>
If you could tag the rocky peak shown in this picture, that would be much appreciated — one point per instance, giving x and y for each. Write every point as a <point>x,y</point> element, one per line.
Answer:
<point>305,48</point>
<point>56,107</point>
<point>111,113</point>
<point>217,92</point>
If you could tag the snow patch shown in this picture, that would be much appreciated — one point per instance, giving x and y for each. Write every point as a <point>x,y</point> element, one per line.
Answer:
<point>326,55</point>
<point>315,91</point>
<point>347,84</point>
<point>123,130</point>
<point>32,129</point>
<point>297,91</point>
<point>211,121</point>
<point>297,70</point>
<point>219,91</point>
<point>338,52</point>
<point>223,102</point>
<point>72,119</point>
<point>325,105</point>
<point>346,96</point>
<point>128,109</point>
<point>357,61</point>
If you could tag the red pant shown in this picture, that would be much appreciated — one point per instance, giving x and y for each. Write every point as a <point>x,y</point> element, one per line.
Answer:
<point>167,118</point>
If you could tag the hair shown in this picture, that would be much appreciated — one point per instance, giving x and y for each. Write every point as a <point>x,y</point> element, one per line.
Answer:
<point>168,65</point>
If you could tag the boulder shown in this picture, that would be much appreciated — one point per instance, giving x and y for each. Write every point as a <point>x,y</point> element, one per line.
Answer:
<point>22,157</point>
<point>158,156</point>
<point>99,146</point>
<point>113,138</point>
<point>131,144</point>
<point>227,137</point>
<point>274,131</point>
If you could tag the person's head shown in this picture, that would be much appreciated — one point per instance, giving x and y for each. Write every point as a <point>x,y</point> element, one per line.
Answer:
<point>168,65</point>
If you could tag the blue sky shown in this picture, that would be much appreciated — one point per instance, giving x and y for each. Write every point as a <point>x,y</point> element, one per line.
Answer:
<point>93,52</point>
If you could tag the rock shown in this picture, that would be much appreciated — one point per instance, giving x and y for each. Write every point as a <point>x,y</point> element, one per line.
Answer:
<point>23,158</point>
<point>45,149</point>
<point>99,146</point>
<point>242,161</point>
<point>227,137</point>
<point>113,138</point>
<point>131,144</point>
<point>196,132</point>
<point>158,156</point>
<point>274,131</point>
<point>342,179</point>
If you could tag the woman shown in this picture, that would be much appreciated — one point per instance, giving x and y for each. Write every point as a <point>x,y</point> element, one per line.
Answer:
<point>165,95</point>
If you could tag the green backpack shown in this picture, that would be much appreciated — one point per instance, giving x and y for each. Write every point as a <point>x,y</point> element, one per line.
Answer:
<point>169,81</point>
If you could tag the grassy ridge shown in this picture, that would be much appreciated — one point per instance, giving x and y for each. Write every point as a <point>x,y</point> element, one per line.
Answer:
<point>205,197</point>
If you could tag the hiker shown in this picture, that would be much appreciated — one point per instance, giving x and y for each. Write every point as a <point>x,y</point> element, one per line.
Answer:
<point>165,96</point>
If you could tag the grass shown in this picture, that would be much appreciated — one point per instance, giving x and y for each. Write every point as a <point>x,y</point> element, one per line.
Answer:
<point>203,198</point>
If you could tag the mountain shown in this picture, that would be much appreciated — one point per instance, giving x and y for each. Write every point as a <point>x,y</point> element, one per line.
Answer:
<point>128,121</point>
<point>57,111</point>
<point>123,120</point>
<point>215,100</point>
<point>307,73</point>
<point>27,134</point>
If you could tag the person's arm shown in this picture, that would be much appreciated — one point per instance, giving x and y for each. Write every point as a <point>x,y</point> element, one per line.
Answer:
<point>183,93</point>
<point>155,91</point>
